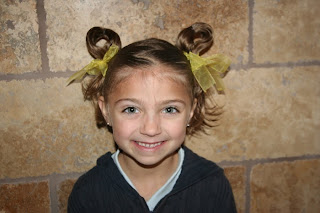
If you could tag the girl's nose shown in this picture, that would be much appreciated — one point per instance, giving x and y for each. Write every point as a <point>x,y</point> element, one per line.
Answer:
<point>150,125</point>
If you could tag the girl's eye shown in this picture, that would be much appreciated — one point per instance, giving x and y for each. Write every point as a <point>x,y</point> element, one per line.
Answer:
<point>170,110</point>
<point>130,110</point>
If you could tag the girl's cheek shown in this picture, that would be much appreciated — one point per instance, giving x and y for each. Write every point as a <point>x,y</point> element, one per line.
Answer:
<point>128,124</point>
<point>178,127</point>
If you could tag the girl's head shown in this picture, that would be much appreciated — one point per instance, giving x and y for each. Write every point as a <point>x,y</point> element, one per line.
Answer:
<point>145,58</point>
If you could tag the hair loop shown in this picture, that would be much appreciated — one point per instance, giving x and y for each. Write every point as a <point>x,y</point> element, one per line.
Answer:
<point>197,38</point>
<point>93,86</point>
<point>96,34</point>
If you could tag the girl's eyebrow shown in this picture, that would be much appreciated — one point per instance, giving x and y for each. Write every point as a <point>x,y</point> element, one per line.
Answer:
<point>173,101</point>
<point>137,101</point>
<point>134,100</point>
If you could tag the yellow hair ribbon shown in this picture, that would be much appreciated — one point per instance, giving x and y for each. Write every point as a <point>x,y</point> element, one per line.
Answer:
<point>208,70</point>
<point>96,66</point>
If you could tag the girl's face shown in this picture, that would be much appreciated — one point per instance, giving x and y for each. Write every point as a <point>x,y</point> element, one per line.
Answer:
<point>149,113</point>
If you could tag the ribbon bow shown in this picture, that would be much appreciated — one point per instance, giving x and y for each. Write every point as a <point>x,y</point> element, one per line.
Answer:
<point>96,66</point>
<point>208,70</point>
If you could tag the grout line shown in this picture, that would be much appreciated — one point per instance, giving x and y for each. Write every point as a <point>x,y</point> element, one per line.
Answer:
<point>66,74</point>
<point>289,64</point>
<point>268,160</point>
<point>41,13</point>
<point>24,180</point>
<point>73,175</point>
<point>55,181</point>
<point>250,31</point>
<point>247,205</point>
<point>53,184</point>
<point>35,76</point>
<point>274,65</point>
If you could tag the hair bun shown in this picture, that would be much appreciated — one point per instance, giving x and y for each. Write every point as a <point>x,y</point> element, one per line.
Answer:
<point>197,38</point>
<point>95,34</point>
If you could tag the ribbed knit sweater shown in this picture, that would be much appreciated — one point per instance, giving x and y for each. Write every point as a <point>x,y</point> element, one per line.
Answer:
<point>202,187</point>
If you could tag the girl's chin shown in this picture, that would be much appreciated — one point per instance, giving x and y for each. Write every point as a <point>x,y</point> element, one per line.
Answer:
<point>152,162</point>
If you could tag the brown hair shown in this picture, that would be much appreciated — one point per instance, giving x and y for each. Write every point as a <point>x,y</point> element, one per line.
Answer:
<point>197,38</point>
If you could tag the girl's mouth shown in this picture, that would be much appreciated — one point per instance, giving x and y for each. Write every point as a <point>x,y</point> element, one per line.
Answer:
<point>149,145</point>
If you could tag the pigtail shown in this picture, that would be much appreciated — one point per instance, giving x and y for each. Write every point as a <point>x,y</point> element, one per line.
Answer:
<point>93,86</point>
<point>96,34</point>
<point>198,38</point>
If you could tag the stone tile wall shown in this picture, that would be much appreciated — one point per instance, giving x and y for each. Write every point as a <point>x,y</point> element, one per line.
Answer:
<point>268,140</point>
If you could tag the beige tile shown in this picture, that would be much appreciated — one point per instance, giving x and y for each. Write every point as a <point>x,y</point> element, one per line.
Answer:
<point>269,113</point>
<point>229,20</point>
<point>286,30</point>
<point>26,197</point>
<point>236,177</point>
<point>46,127</point>
<point>136,21</point>
<point>287,187</point>
<point>19,38</point>
<point>64,191</point>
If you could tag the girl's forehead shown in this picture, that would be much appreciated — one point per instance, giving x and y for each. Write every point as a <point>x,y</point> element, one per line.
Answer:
<point>154,81</point>
<point>148,77</point>
<point>157,72</point>
<point>155,69</point>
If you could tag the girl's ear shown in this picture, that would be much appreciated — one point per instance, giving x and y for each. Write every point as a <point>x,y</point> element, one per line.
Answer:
<point>103,108</point>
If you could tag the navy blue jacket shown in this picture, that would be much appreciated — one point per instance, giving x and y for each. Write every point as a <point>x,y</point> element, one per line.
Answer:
<point>201,187</point>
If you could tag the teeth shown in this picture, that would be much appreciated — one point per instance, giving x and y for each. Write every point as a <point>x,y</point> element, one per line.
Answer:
<point>148,145</point>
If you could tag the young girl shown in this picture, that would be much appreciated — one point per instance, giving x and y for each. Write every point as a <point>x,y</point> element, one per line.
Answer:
<point>150,95</point>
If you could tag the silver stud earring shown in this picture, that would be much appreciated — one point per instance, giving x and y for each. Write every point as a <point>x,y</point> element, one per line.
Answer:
<point>188,125</point>
<point>108,124</point>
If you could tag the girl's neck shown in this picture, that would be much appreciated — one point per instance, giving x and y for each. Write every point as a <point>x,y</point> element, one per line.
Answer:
<point>149,179</point>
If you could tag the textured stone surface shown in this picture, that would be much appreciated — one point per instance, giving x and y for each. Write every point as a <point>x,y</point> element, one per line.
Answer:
<point>287,187</point>
<point>46,127</point>
<point>236,177</point>
<point>19,39</point>
<point>135,20</point>
<point>269,113</point>
<point>26,197</point>
<point>286,30</point>
<point>63,193</point>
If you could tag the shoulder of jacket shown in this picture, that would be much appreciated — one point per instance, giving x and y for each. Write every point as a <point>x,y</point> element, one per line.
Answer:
<point>95,174</point>
<point>196,163</point>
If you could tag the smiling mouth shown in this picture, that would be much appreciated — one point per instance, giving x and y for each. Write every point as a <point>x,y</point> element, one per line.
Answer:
<point>149,145</point>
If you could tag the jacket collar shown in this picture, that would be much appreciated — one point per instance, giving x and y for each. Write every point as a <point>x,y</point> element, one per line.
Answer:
<point>194,169</point>
<point>111,171</point>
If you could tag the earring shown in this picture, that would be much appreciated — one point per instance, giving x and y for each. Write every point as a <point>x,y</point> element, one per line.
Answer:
<point>108,124</point>
<point>188,125</point>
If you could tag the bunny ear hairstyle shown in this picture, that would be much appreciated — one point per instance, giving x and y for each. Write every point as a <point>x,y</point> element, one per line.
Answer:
<point>96,66</point>
<point>208,71</point>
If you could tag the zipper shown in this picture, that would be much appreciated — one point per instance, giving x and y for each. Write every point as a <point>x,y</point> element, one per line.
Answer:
<point>144,204</point>
<point>160,204</point>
